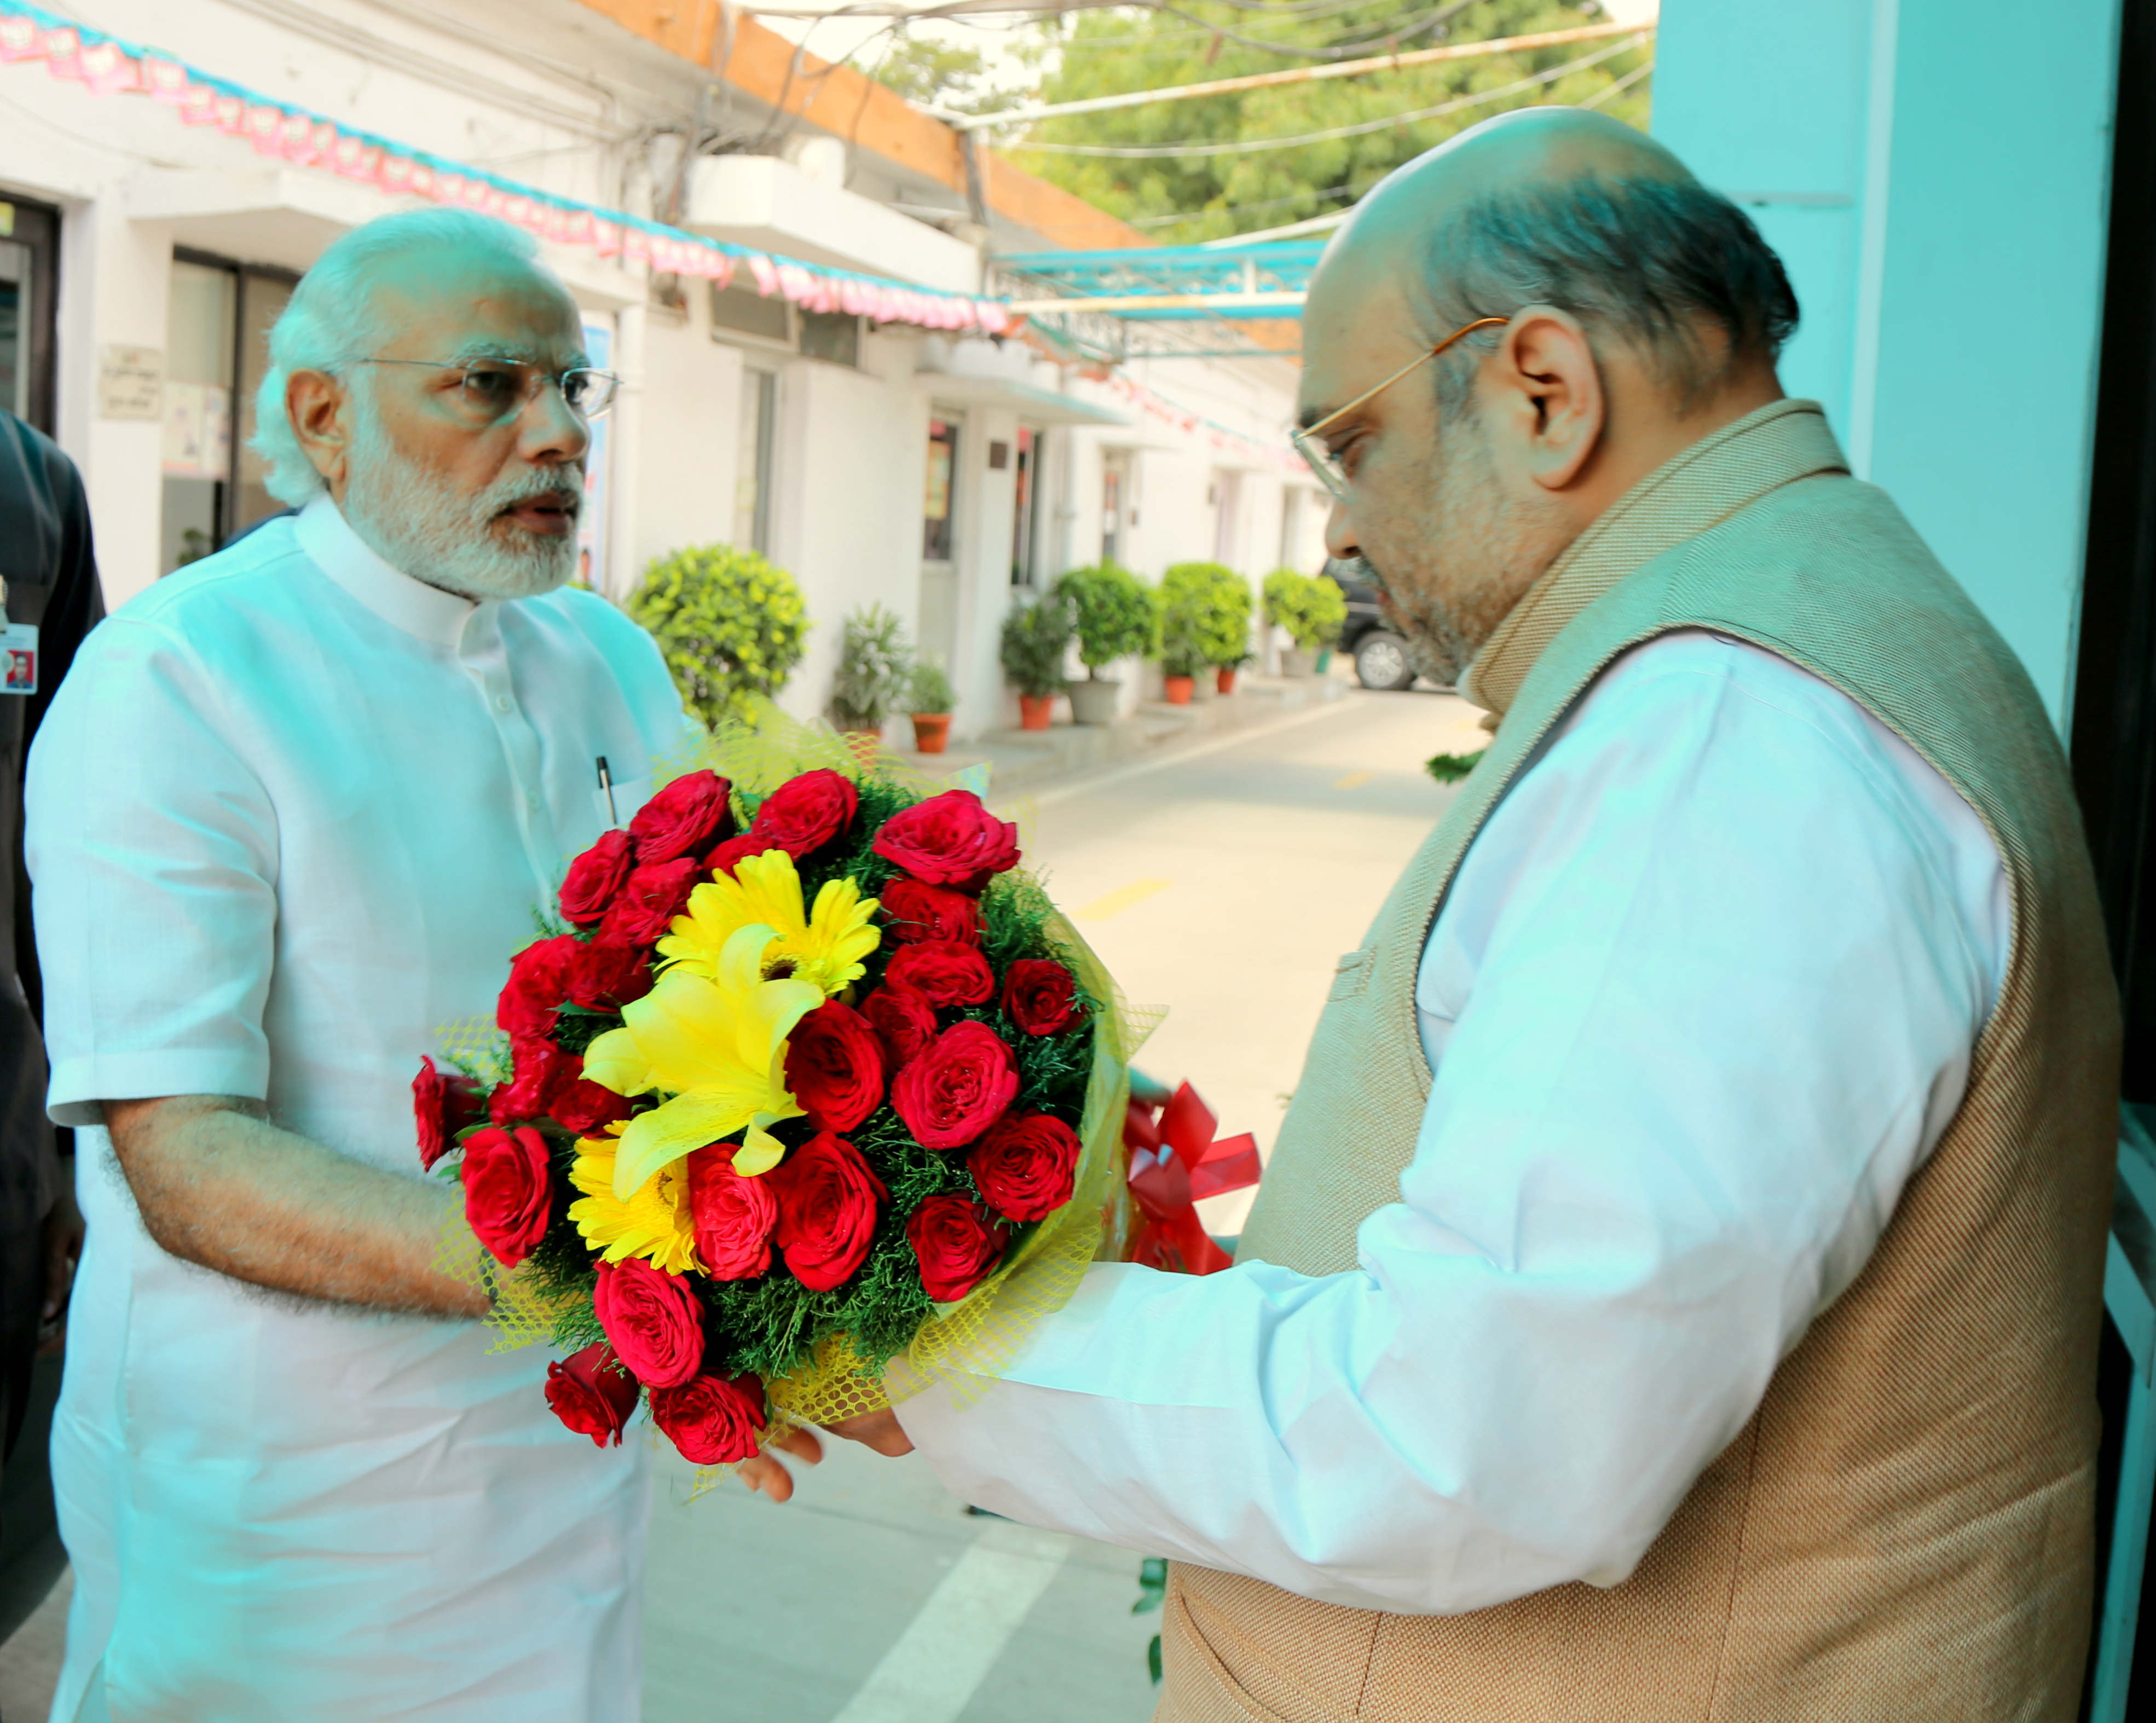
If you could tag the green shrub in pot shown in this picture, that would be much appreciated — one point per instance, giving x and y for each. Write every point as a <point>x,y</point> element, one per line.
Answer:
<point>1036,636</point>
<point>730,626</point>
<point>876,666</point>
<point>1113,613</point>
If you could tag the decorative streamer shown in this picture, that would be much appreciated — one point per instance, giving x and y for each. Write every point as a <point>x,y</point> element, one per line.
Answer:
<point>107,65</point>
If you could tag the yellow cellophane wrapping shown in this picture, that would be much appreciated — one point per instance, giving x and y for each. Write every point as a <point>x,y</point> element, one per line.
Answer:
<point>966,1344</point>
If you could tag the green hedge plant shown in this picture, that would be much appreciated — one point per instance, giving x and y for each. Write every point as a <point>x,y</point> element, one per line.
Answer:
<point>1113,612</point>
<point>1205,617</point>
<point>1035,638</point>
<point>730,626</point>
<point>1310,608</point>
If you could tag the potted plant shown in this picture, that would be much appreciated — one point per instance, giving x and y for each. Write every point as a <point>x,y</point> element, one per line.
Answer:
<point>1204,622</point>
<point>730,625</point>
<point>1115,619</point>
<point>1035,637</point>
<point>874,665</point>
<point>933,698</point>
<point>1310,608</point>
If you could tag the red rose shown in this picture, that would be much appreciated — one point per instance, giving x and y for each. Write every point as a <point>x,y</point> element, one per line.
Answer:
<point>835,1066</point>
<point>539,1071</point>
<point>690,813</point>
<point>443,1103</point>
<point>653,1320</point>
<point>649,902</point>
<point>905,1021</point>
<point>734,1216</point>
<point>712,1419</point>
<point>957,1242</point>
<point>1025,1167</point>
<point>827,1209</point>
<point>595,876</point>
<point>592,1393</point>
<point>919,912</point>
<point>949,840</point>
<point>1040,997</point>
<point>538,982</point>
<point>722,860</point>
<point>805,812</point>
<point>509,1190</point>
<point>586,1108</point>
<point>960,1085</point>
<point>943,972</point>
<point>606,975</point>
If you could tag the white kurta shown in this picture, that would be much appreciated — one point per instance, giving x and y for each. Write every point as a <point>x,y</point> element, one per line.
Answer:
<point>290,816</point>
<point>1701,998</point>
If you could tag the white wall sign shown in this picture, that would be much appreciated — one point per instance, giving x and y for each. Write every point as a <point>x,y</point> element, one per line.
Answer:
<point>131,382</point>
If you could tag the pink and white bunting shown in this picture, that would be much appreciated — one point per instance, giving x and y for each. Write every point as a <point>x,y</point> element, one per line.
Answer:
<point>107,66</point>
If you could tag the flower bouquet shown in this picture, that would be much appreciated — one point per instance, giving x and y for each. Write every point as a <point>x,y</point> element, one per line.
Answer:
<point>801,1080</point>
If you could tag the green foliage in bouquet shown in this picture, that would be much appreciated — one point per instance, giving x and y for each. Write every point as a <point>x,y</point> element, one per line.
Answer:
<point>930,689</point>
<point>875,667</point>
<point>1310,607</point>
<point>730,626</point>
<point>1035,637</point>
<point>1114,614</point>
<point>1205,617</point>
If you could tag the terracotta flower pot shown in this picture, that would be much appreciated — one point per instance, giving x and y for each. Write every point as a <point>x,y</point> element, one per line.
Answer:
<point>932,731</point>
<point>1179,688</point>
<point>1034,710</point>
<point>1223,678</point>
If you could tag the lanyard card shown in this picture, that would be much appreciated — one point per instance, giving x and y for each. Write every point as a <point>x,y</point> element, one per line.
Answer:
<point>22,659</point>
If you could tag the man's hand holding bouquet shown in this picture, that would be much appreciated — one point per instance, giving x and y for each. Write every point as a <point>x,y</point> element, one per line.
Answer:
<point>808,1077</point>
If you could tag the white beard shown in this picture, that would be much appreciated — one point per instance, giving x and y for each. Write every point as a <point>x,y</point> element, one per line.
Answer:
<point>406,516</point>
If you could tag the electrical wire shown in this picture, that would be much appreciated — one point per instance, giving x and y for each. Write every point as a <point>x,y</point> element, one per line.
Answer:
<point>1162,221</point>
<point>1617,87</point>
<point>1250,145</point>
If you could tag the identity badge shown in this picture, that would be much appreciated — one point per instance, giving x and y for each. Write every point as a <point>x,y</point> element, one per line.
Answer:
<point>22,659</point>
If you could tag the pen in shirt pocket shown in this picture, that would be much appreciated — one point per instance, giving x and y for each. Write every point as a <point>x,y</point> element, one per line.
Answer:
<point>606,785</point>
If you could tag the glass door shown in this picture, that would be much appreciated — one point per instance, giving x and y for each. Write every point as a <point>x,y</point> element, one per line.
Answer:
<point>29,279</point>
<point>202,311</point>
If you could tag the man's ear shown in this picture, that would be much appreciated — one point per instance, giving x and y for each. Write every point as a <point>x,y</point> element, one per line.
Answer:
<point>1550,388</point>
<point>321,410</point>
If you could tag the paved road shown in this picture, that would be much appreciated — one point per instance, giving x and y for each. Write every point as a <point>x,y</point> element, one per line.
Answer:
<point>1222,883</point>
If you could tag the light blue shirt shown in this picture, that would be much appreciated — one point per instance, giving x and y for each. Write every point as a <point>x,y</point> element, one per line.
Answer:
<point>1701,1000</point>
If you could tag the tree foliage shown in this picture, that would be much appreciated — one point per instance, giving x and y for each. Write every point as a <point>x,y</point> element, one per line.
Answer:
<point>1114,613</point>
<point>1188,198</point>
<point>1205,611</point>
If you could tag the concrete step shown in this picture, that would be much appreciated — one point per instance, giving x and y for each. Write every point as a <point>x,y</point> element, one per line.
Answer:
<point>1024,759</point>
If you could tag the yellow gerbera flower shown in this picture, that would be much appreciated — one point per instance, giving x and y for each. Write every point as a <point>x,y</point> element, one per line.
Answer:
<point>716,1045</point>
<point>656,1222</point>
<point>825,947</point>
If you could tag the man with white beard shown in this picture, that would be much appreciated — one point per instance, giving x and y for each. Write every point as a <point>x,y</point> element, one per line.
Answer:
<point>288,820</point>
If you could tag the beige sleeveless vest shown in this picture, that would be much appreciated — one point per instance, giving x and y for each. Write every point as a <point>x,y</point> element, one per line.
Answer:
<point>1903,1532</point>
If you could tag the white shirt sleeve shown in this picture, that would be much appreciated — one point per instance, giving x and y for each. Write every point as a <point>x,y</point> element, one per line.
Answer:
<point>153,849</point>
<point>1703,995</point>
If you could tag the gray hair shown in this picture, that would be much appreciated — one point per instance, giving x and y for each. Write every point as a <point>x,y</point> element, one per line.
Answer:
<point>1647,260</point>
<point>330,320</point>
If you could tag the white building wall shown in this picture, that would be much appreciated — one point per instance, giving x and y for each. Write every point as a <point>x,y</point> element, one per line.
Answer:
<point>1946,235</point>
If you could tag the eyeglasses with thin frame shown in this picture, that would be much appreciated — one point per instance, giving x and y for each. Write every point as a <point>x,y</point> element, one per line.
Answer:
<point>1310,446</point>
<point>492,390</point>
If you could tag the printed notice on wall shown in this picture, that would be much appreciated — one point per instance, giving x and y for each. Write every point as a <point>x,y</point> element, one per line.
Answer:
<point>131,382</point>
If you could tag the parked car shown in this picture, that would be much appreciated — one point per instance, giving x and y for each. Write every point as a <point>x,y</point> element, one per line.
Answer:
<point>1380,655</point>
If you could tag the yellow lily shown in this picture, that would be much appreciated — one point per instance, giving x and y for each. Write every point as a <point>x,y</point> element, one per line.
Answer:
<point>716,1046</point>
<point>824,946</point>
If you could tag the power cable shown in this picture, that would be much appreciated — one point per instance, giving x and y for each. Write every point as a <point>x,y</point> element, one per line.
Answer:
<point>1616,87</point>
<point>1245,146</point>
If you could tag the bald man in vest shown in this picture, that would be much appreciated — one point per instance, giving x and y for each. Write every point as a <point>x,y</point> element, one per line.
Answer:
<point>1675,1291</point>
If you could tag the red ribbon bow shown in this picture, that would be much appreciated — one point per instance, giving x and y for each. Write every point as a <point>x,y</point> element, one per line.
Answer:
<point>1174,1163</point>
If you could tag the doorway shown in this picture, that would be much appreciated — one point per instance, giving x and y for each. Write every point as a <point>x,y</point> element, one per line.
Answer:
<point>936,631</point>
<point>30,286</point>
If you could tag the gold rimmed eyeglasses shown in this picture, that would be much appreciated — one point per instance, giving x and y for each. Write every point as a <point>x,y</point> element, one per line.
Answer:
<point>1310,444</point>
<point>491,390</point>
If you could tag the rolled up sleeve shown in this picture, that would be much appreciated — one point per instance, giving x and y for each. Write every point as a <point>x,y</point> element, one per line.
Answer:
<point>152,847</point>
